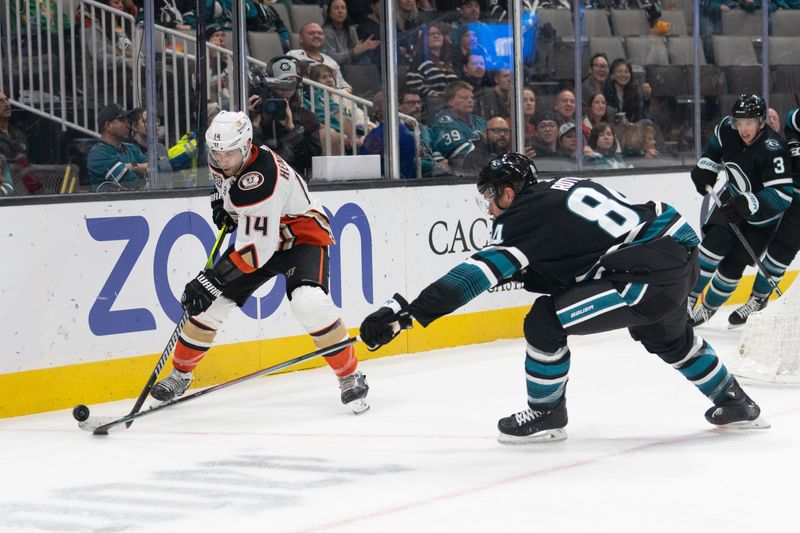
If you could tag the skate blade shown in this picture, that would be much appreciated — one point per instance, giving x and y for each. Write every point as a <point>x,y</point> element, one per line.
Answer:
<point>548,435</point>
<point>735,326</point>
<point>758,423</point>
<point>358,407</point>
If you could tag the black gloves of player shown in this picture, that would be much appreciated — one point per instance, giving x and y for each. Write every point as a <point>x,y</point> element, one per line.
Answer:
<point>739,208</point>
<point>703,178</point>
<point>386,323</point>
<point>201,292</point>
<point>218,213</point>
<point>794,155</point>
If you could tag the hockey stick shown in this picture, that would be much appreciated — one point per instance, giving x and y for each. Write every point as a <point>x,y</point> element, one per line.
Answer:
<point>102,425</point>
<point>747,247</point>
<point>81,412</point>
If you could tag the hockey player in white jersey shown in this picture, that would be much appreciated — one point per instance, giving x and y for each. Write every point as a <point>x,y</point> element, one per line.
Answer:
<point>281,230</point>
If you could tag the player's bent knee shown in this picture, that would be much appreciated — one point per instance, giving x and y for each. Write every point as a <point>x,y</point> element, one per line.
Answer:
<point>316,312</point>
<point>542,329</point>
<point>213,317</point>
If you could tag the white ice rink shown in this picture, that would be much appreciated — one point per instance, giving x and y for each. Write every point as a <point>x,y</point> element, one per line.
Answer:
<point>280,454</point>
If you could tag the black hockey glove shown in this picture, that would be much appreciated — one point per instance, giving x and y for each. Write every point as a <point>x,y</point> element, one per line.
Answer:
<point>702,178</point>
<point>386,323</point>
<point>219,215</point>
<point>201,292</point>
<point>739,208</point>
<point>794,155</point>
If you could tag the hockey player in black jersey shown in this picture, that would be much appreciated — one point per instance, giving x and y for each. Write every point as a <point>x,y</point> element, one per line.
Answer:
<point>602,263</point>
<point>757,192</point>
<point>783,247</point>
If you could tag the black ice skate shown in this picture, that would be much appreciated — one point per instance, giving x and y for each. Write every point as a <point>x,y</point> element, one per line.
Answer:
<point>700,315</point>
<point>735,409</point>
<point>172,386</point>
<point>354,389</point>
<point>690,304</point>
<point>738,318</point>
<point>534,425</point>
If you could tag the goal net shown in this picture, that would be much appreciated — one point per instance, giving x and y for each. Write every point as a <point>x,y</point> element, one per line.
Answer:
<point>770,345</point>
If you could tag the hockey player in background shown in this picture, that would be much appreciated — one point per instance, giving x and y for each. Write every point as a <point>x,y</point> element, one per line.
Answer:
<point>757,192</point>
<point>602,263</point>
<point>281,230</point>
<point>783,247</point>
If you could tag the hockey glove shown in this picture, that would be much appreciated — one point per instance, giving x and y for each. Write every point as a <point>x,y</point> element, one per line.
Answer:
<point>219,214</point>
<point>739,208</point>
<point>201,292</point>
<point>794,153</point>
<point>703,177</point>
<point>386,323</point>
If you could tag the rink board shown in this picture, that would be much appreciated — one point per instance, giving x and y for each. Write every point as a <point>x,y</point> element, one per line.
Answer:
<point>89,304</point>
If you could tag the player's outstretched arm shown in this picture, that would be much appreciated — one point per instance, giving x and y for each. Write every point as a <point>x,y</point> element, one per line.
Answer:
<point>383,325</point>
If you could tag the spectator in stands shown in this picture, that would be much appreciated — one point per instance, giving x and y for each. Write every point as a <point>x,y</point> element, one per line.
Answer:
<point>426,5</point>
<point>218,66</point>
<point>6,182</point>
<point>596,112</point>
<point>640,141</point>
<point>497,101</point>
<point>496,142</point>
<point>564,106</point>
<point>432,69</point>
<point>603,150</point>
<point>598,74</point>
<point>456,129</point>
<point>294,133</point>
<point>474,73</point>
<point>433,163</point>
<point>137,119</point>
<point>14,146</point>
<point>115,164</point>
<point>545,140</point>
<point>261,16</point>
<point>217,12</point>
<point>341,41</point>
<point>529,110</point>
<point>107,43</point>
<point>373,142</point>
<point>467,45</point>
<point>370,28</point>
<point>312,41</point>
<point>468,16</point>
<point>567,140</point>
<point>773,120</point>
<point>340,120</point>
<point>622,94</point>
<point>171,13</point>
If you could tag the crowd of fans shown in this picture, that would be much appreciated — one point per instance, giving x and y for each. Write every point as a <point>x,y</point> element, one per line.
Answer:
<point>457,92</point>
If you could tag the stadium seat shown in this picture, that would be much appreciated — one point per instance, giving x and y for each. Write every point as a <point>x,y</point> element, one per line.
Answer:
<point>365,79</point>
<point>735,54</point>
<point>264,45</point>
<point>629,22</point>
<point>647,51</point>
<point>283,13</point>
<point>677,20</point>
<point>595,23</point>
<point>782,103</point>
<point>785,23</point>
<point>302,14</point>
<point>611,46</point>
<point>712,78</point>
<point>740,22</point>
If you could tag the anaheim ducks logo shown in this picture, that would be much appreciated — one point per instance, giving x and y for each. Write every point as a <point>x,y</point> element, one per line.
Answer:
<point>251,180</point>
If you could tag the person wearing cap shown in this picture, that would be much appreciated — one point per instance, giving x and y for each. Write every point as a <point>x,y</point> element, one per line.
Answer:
<point>545,140</point>
<point>312,41</point>
<point>296,136</point>
<point>567,140</point>
<point>468,15</point>
<point>113,163</point>
<point>218,65</point>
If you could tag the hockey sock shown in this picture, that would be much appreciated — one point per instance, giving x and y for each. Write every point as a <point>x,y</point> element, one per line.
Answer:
<point>708,265</point>
<point>546,376</point>
<point>702,367</point>
<point>775,269</point>
<point>343,362</point>
<point>720,290</point>
<point>193,342</point>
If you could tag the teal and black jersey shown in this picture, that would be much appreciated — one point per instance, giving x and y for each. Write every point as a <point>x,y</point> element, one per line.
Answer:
<point>553,237</point>
<point>454,137</point>
<point>760,170</point>
<point>791,131</point>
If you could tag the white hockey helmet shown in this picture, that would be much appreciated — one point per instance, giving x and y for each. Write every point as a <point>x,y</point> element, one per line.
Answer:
<point>228,131</point>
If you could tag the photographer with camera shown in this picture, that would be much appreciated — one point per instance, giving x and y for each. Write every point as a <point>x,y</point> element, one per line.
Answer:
<point>279,119</point>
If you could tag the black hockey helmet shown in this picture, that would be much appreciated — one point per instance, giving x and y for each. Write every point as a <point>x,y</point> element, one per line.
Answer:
<point>749,106</point>
<point>512,169</point>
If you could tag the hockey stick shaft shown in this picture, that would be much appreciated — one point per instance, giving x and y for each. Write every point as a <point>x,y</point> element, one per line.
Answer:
<point>174,337</point>
<point>747,247</point>
<point>128,419</point>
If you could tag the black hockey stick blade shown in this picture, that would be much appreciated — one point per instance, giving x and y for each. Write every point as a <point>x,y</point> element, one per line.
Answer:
<point>102,425</point>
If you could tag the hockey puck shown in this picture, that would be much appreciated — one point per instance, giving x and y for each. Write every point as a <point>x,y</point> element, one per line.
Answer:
<point>80,413</point>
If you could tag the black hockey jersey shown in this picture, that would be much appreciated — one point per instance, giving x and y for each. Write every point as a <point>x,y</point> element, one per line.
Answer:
<point>553,236</point>
<point>791,131</point>
<point>760,170</point>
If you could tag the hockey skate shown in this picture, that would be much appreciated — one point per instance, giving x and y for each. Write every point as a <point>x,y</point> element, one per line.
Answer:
<point>354,391</point>
<point>701,315</point>
<point>736,410</point>
<point>738,318</point>
<point>534,425</point>
<point>690,304</point>
<point>172,386</point>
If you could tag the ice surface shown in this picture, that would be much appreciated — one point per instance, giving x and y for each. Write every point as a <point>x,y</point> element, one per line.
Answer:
<point>281,454</point>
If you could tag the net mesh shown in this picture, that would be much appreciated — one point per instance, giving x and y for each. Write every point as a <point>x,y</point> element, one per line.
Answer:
<point>770,345</point>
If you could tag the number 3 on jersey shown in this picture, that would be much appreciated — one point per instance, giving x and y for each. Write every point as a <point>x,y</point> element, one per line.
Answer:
<point>610,215</point>
<point>255,225</point>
